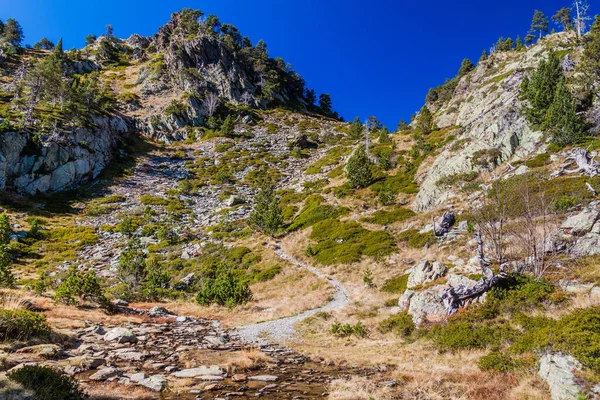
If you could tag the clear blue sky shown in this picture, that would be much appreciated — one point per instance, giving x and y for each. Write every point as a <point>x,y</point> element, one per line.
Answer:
<point>374,57</point>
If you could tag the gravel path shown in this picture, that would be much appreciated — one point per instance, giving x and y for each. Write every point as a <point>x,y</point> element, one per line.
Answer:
<point>283,328</point>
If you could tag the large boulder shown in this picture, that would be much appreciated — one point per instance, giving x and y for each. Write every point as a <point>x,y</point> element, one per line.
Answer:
<point>579,235</point>
<point>558,371</point>
<point>425,272</point>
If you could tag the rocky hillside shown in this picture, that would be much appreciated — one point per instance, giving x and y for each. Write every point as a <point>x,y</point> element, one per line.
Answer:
<point>484,112</point>
<point>243,241</point>
<point>190,75</point>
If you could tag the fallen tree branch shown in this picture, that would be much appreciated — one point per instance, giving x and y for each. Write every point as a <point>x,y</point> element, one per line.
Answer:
<point>584,162</point>
<point>455,298</point>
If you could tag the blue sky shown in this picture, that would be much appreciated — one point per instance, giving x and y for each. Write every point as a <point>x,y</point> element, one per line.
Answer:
<point>374,57</point>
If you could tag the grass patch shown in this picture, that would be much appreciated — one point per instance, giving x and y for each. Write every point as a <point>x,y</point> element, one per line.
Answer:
<point>315,211</point>
<point>395,285</point>
<point>387,217</point>
<point>347,242</point>
<point>417,240</point>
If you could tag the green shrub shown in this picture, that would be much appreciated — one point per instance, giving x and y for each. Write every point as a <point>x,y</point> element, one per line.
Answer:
<point>564,204</point>
<point>417,240</point>
<point>225,289</point>
<point>387,217</point>
<point>47,383</point>
<point>267,274</point>
<point>358,169</point>
<point>80,286</point>
<point>497,362</point>
<point>346,330</point>
<point>315,211</point>
<point>400,324</point>
<point>395,285</point>
<point>176,108</point>
<point>149,200</point>
<point>22,325</point>
<point>465,335</point>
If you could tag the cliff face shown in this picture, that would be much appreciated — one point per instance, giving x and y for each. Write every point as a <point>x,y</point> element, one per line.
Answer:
<point>486,110</point>
<point>30,167</point>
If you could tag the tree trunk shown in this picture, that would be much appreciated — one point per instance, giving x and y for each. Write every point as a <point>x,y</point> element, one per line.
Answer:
<point>455,298</point>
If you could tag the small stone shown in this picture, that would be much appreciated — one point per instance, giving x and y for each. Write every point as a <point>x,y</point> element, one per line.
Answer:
<point>213,370</point>
<point>239,378</point>
<point>263,378</point>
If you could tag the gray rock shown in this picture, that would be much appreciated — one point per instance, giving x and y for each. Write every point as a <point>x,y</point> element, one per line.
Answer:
<point>104,374</point>
<point>557,370</point>
<point>120,335</point>
<point>425,272</point>
<point>156,383</point>
<point>213,370</point>
<point>131,356</point>
<point>263,378</point>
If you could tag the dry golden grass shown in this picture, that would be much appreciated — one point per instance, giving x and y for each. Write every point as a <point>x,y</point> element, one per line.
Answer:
<point>248,359</point>
<point>359,388</point>
<point>113,390</point>
<point>12,300</point>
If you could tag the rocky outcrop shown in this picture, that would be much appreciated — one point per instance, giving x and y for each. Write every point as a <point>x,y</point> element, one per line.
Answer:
<point>558,371</point>
<point>579,235</point>
<point>60,162</point>
<point>425,272</point>
<point>486,109</point>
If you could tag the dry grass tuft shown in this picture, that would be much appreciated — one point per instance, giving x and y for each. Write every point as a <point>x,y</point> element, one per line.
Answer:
<point>359,388</point>
<point>249,359</point>
<point>12,301</point>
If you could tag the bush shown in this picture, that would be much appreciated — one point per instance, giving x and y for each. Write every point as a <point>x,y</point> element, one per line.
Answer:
<point>346,330</point>
<point>538,161</point>
<point>225,290</point>
<point>47,383</point>
<point>22,325</point>
<point>464,335</point>
<point>358,169</point>
<point>401,325</point>
<point>267,274</point>
<point>79,286</point>
<point>497,362</point>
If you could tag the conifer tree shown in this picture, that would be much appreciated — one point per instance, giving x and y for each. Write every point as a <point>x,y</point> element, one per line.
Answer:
<point>529,38</point>
<point>356,129</point>
<point>267,216</point>
<point>227,129</point>
<point>466,67</point>
<point>484,56</point>
<point>90,39</point>
<point>562,121</point>
<point>539,23</point>
<point>539,89</point>
<point>384,135</point>
<point>325,105</point>
<point>12,32</point>
<point>519,44</point>
<point>58,53</point>
<point>563,18</point>
<point>425,121</point>
<point>6,276</point>
<point>358,169</point>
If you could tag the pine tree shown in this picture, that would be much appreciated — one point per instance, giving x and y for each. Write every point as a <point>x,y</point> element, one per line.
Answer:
<point>484,56</point>
<point>590,61</point>
<point>5,229</point>
<point>539,23</point>
<point>90,39</point>
<point>562,121</point>
<point>58,53</point>
<point>425,121</point>
<point>358,169</point>
<point>325,105</point>
<point>227,129</point>
<point>540,87</point>
<point>12,32</point>
<point>356,129</point>
<point>6,276</point>
<point>466,67</point>
<point>267,216</point>
<point>563,18</point>
<point>529,38</point>
<point>384,135</point>
<point>519,45</point>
